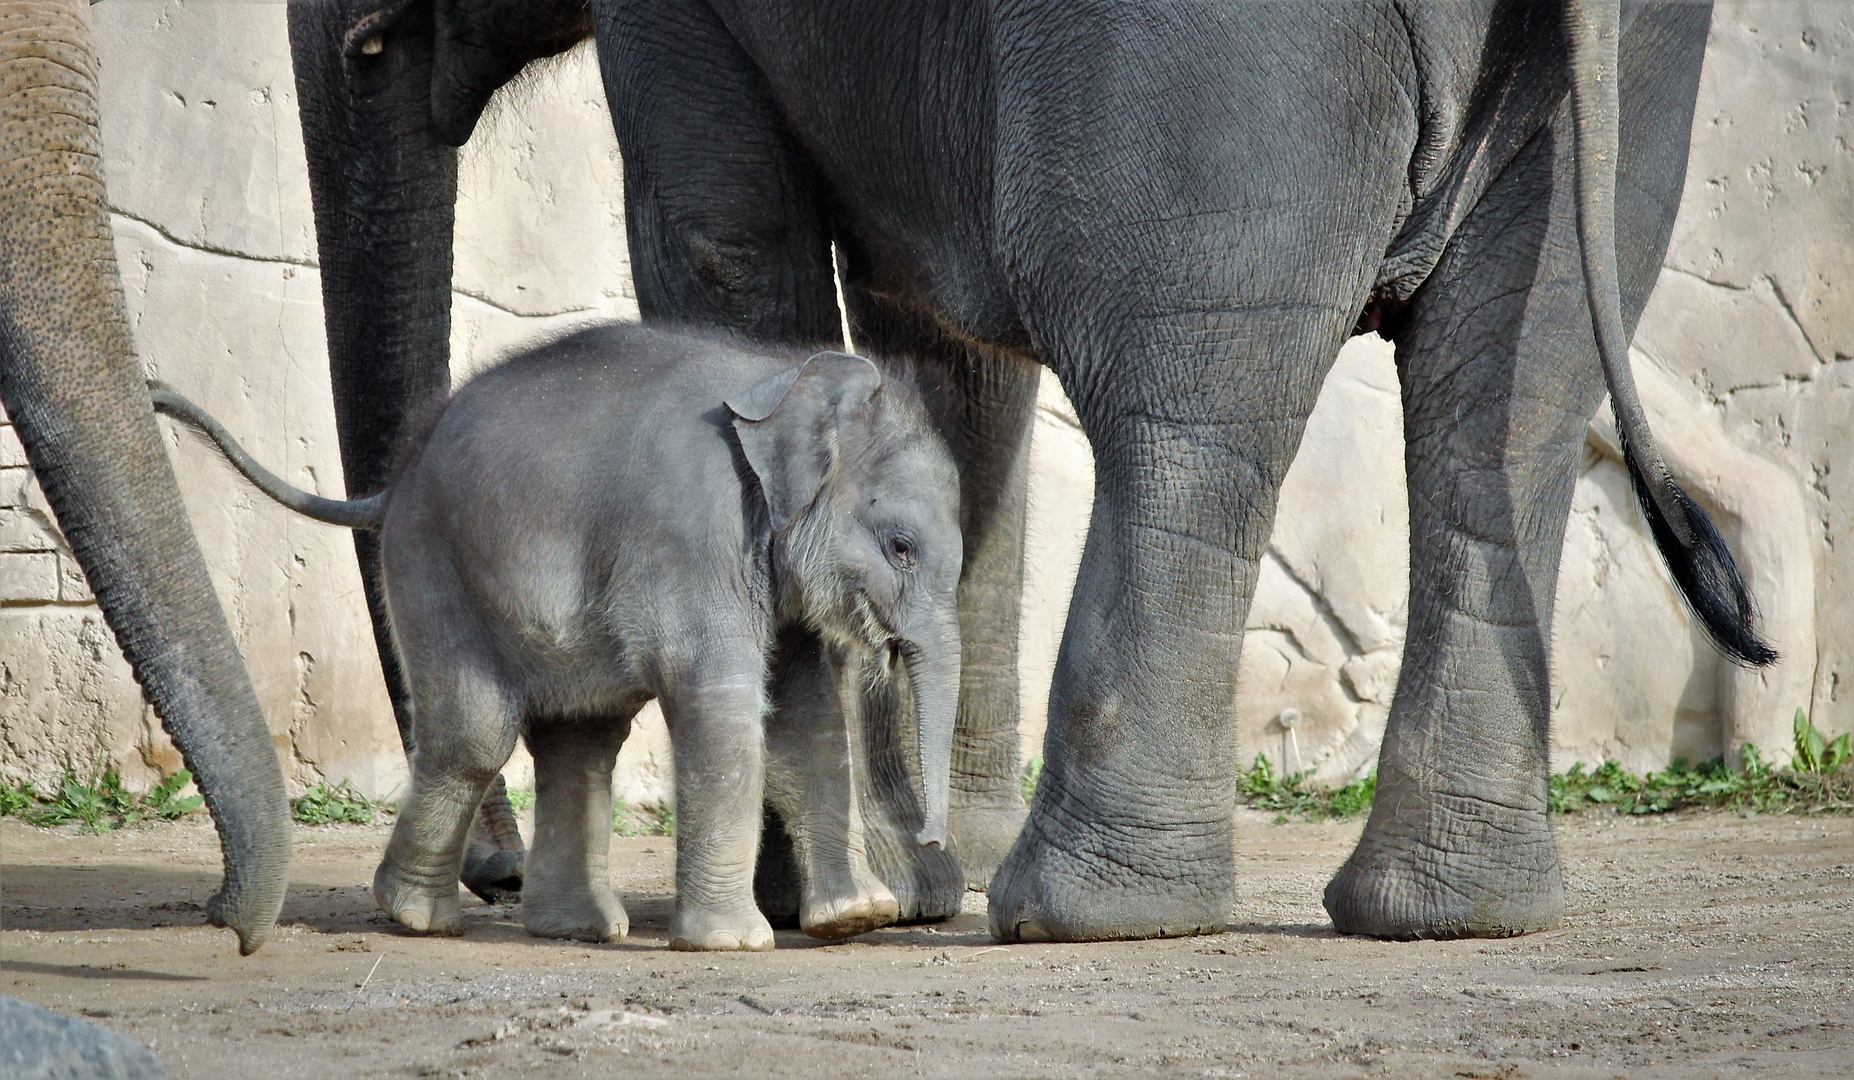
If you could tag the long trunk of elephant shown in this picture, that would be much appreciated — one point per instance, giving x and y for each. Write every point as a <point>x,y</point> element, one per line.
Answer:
<point>71,385</point>
<point>384,188</point>
<point>933,678</point>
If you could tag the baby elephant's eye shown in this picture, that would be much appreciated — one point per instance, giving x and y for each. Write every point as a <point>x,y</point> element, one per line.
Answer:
<point>901,551</point>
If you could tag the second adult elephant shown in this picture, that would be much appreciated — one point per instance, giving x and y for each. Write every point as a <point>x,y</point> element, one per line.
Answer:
<point>1183,209</point>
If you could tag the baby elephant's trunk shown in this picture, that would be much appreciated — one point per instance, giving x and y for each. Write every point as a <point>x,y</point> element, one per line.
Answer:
<point>933,675</point>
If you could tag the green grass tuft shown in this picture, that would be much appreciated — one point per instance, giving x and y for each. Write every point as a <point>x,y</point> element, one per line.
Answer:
<point>1032,774</point>
<point>100,805</point>
<point>521,798</point>
<point>1294,796</point>
<point>1819,780</point>
<point>641,822</point>
<point>326,804</point>
<point>17,800</point>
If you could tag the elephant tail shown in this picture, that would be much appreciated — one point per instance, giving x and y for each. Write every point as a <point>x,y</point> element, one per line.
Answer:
<point>1695,553</point>
<point>352,513</point>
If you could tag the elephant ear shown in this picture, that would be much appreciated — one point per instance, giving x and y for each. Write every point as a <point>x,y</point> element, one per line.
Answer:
<point>792,427</point>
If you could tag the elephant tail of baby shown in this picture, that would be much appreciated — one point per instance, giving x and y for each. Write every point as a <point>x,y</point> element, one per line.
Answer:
<point>1695,553</point>
<point>352,513</point>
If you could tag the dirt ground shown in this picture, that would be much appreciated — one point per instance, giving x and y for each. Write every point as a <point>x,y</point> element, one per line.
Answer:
<point>1696,946</point>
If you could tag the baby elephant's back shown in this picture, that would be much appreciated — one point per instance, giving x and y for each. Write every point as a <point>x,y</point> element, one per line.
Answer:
<point>611,443</point>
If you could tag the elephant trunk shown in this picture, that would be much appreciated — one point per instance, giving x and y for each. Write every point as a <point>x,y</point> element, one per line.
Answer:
<point>933,678</point>
<point>384,187</point>
<point>69,381</point>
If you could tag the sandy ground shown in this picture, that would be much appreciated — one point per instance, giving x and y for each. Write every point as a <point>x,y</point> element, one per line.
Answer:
<point>1696,946</point>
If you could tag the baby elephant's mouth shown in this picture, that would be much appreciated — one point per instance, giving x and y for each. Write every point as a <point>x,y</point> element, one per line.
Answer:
<point>874,630</point>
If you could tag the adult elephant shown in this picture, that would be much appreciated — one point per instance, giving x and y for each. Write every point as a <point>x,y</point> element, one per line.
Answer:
<point>70,383</point>
<point>1183,209</point>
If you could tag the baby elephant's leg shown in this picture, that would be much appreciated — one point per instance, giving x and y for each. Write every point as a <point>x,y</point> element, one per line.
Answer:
<point>466,731</point>
<point>815,775</point>
<point>567,892</point>
<point>713,711</point>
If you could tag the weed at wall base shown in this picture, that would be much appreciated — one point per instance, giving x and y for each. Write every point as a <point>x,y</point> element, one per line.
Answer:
<point>336,804</point>
<point>1820,780</point>
<point>102,804</point>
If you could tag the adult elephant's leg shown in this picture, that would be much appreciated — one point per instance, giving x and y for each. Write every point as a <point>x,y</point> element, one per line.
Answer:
<point>723,209</point>
<point>1500,377</point>
<point>386,93</point>
<point>984,401</point>
<point>69,381</point>
<point>1129,833</point>
<point>725,218</point>
<point>1189,240</point>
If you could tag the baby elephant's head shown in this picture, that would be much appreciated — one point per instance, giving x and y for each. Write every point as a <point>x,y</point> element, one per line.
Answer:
<point>863,502</point>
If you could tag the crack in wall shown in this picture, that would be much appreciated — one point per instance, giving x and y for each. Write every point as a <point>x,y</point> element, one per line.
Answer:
<point>1776,290</point>
<point>486,300</point>
<point>209,249</point>
<point>1320,606</point>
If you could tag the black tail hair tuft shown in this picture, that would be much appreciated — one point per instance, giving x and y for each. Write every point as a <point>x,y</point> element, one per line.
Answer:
<point>1707,576</point>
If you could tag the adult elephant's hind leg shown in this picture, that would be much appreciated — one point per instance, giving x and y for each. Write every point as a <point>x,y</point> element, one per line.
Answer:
<point>1500,377</point>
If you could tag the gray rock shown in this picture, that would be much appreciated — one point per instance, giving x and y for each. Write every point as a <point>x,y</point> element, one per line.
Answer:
<point>36,1044</point>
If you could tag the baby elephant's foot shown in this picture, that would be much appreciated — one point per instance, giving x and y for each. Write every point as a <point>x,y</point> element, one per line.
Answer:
<point>849,911</point>
<point>703,930</point>
<point>418,902</point>
<point>586,917</point>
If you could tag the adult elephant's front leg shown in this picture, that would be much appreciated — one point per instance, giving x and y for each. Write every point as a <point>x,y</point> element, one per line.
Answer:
<point>1129,834</point>
<point>985,402</point>
<point>1130,831</point>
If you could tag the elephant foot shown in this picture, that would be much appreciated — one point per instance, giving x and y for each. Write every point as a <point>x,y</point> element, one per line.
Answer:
<point>1103,883</point>
<point>704,930</point>
<point>926,882</point>
<point>855,907</point>
<point>493,875</point>
<point>1397,885</point>
<point>981,836</point>
<point>776,887</point>
<point>418,902</point>
<point>587,917</point>
<point>493,860</point>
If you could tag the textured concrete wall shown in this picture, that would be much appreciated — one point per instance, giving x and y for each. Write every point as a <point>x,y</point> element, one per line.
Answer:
<point>1743,357</point>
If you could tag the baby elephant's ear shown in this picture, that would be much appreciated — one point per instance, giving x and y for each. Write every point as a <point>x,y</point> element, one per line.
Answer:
<point>792,427</point>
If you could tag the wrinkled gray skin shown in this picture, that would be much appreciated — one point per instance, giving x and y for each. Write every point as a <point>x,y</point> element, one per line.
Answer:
<point>70,383</point>
<point>39,1045</point>
<point>710,503</point>
<point>1182,209</point>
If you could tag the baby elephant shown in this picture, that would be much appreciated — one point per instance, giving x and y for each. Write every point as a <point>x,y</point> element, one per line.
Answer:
<point>635,513</point>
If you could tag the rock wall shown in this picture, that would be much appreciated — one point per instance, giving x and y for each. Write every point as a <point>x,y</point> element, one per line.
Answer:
<point>1743,356</point>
